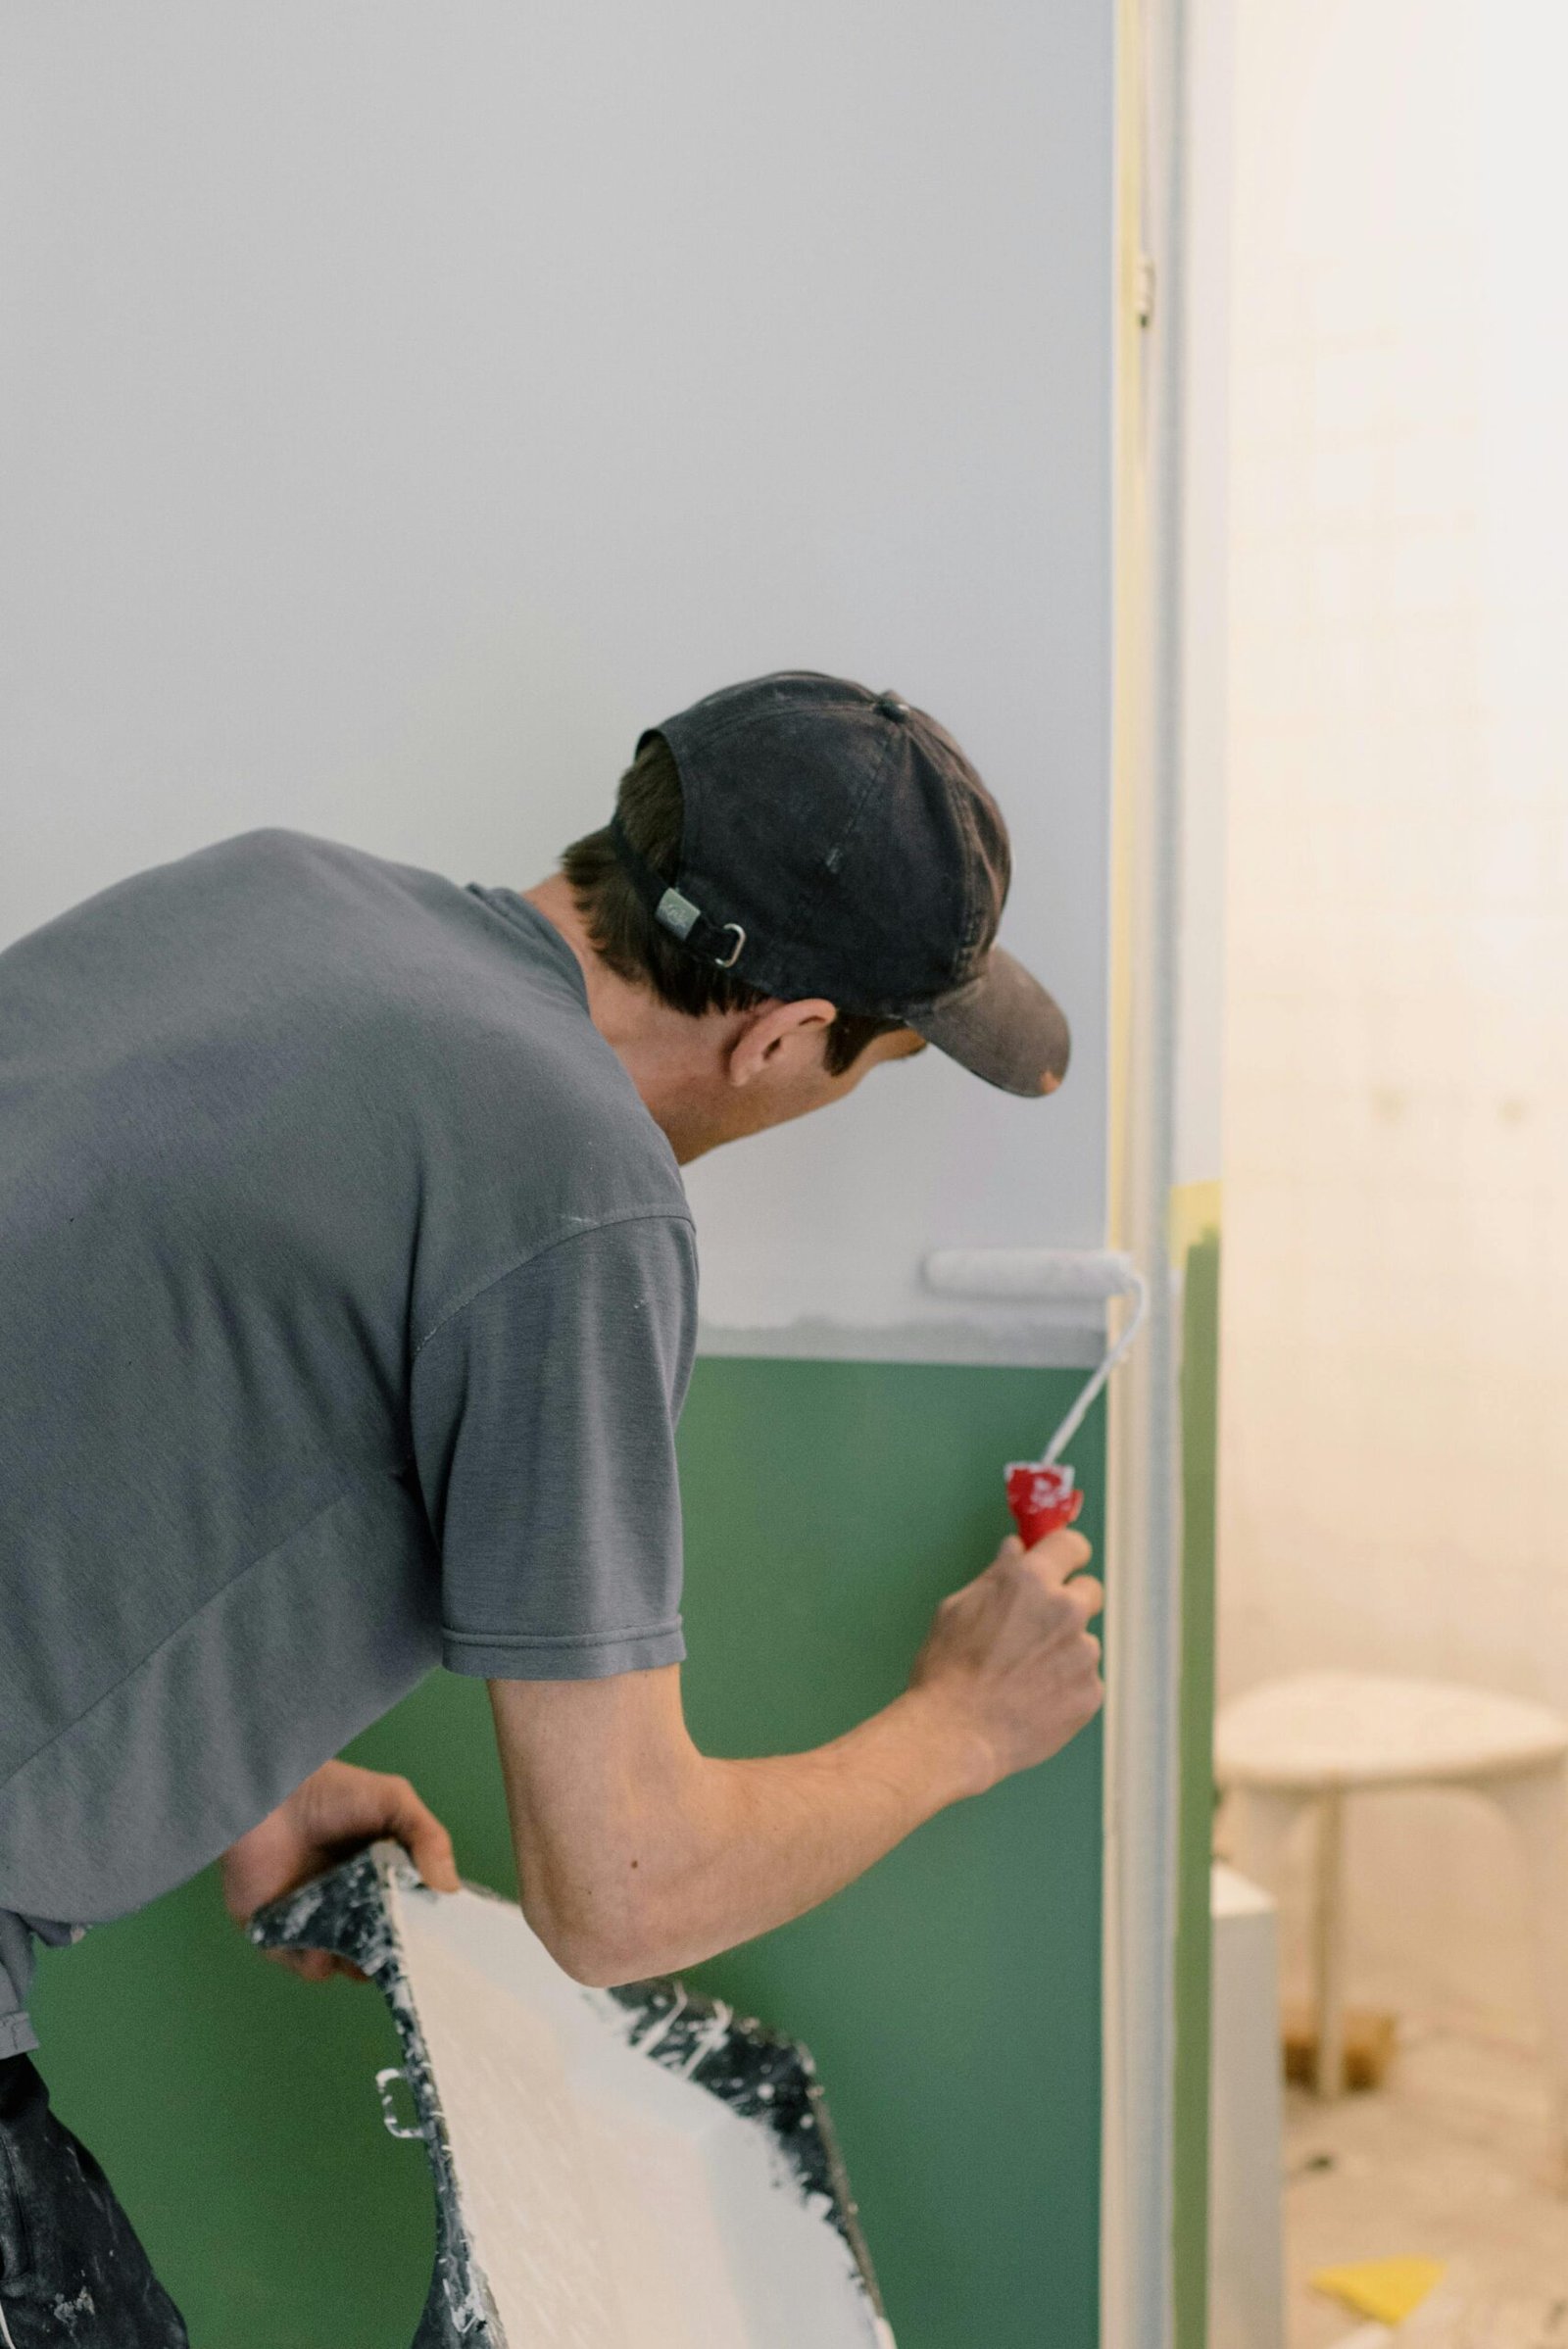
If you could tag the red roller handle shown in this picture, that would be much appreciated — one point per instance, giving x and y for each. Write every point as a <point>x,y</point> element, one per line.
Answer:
<point>1042,1499</point>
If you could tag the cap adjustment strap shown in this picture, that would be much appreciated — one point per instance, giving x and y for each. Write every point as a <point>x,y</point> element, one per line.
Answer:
<point>686,922</point>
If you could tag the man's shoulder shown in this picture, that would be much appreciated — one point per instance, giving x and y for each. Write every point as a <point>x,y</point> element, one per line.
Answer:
<point>542,1161</point>
<point>306,871</point>
<point>368,1012</point>
<point>565,1134</point>
<point>470,1006</point>
<point>530,1129</point>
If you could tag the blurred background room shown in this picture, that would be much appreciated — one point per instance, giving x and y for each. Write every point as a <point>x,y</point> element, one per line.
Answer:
<point>1394,1433</point>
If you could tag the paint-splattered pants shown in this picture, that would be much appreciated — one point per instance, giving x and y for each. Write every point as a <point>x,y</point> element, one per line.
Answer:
<point>72,2271</point>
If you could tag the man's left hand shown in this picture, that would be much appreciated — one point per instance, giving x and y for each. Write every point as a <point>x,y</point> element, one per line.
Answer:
<point>338,1810</point>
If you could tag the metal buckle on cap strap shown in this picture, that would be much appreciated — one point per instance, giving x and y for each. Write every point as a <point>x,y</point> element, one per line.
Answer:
<point>688,922</point>
<point>672,909</point>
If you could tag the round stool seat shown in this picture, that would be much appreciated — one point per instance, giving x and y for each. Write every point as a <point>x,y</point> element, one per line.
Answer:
<point>1319,1730</point>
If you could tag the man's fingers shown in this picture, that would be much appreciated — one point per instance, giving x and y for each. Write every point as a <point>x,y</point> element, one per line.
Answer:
<point>310,1964</point>
<point>423,1836</point>
<point>1058,1556</point>
<point>1090,1594</point>
<point>347,1807</point>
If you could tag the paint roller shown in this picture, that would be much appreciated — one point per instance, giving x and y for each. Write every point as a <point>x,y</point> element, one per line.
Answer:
<point>1041,1493</point>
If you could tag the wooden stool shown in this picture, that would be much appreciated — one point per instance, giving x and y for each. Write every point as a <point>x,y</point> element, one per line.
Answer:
<point>1313,1739</point>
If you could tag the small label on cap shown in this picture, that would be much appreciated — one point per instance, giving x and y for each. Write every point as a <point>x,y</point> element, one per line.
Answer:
<point>676,912</point>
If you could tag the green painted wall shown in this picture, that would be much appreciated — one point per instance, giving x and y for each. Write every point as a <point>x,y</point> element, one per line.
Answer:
<point>952,1997</point>
<point>1200,1467</point>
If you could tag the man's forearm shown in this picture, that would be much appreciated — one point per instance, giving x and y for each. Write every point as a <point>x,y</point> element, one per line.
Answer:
<point>707,1853</point>
<point>638,1854</point>
<point>758,1842</point>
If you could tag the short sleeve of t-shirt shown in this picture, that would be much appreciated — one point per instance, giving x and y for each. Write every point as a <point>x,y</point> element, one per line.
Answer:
<point>544,1416</point>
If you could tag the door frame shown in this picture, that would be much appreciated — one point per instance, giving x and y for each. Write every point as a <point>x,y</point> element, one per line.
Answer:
<point>1172,147</point>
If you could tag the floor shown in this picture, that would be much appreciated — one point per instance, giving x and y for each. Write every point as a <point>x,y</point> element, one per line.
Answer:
<point>1449,2160</point>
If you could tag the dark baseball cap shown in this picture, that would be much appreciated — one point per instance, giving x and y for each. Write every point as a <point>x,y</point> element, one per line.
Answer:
<point>837,843</point>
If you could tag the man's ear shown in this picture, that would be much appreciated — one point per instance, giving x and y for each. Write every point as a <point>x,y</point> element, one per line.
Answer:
<point>780,1039</point>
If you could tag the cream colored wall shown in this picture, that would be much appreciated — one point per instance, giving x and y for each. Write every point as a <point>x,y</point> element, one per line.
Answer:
<point>1396,1344</point>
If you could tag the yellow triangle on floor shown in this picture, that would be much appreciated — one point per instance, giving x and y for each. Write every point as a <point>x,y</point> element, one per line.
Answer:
<point>1385,2289</point>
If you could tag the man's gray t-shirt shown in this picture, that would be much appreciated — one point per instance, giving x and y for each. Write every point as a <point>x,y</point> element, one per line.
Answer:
<point>347,1305</point>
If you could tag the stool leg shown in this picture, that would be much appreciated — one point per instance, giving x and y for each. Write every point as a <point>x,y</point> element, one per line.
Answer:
<point>1328,1946</point>
<point>1536,1807</point>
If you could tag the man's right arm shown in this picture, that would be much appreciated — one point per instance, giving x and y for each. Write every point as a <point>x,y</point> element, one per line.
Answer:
<point>639,1855</point>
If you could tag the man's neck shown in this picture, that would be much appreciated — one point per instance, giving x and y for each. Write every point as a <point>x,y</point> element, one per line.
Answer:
<point>669,1057</point>
<point>614,1014</point>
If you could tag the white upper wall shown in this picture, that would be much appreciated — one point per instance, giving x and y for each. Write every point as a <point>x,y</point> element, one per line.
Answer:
<point>405,406</point>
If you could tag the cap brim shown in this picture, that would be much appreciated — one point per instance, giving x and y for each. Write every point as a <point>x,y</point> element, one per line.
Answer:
<point>1002,1026</point>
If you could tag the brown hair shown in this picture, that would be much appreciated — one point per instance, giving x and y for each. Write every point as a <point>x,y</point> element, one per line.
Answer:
<point>624,933</point>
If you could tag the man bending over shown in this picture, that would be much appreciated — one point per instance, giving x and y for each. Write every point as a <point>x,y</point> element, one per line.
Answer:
<point>347,1308</point>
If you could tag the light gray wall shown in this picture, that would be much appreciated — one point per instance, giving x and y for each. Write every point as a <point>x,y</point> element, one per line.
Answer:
<point>403,405</point>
